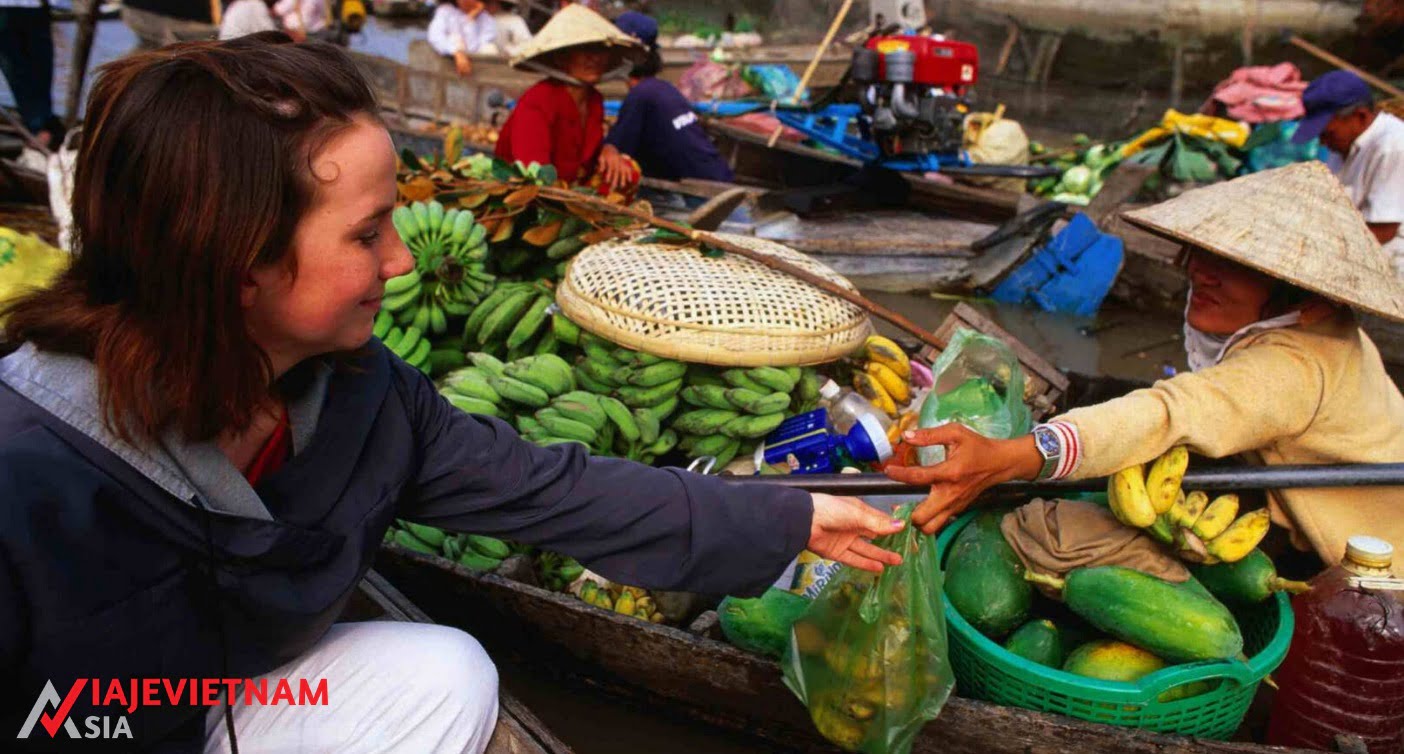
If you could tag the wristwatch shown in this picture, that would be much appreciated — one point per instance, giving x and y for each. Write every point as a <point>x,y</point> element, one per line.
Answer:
<point>1050,446</point>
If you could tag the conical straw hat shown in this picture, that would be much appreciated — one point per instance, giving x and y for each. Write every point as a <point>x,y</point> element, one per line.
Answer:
<point>1296,224</point>
<point>572,26</point>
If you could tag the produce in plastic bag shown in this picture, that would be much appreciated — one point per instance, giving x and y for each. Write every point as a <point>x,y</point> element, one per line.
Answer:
<point>27,263</point>
<point>869,656</point>
<point>980,384</point>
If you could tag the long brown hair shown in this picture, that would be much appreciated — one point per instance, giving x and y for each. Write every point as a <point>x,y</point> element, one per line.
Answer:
<point>194,167</point>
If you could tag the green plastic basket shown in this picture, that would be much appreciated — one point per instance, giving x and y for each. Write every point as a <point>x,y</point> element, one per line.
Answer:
<point>985,670</point>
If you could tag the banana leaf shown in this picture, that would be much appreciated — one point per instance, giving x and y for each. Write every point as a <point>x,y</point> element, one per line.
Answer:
<point>1191,165</point>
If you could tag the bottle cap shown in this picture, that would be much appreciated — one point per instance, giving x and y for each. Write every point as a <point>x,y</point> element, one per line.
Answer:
<point>868,440</point>
<point>1371,552</point>
<point>828,390</point>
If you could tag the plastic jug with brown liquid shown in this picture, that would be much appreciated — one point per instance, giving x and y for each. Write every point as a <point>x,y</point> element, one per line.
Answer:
<point>1344,673</point>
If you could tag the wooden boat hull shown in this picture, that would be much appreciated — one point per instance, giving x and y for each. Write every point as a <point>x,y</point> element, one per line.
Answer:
<point>692,674</point>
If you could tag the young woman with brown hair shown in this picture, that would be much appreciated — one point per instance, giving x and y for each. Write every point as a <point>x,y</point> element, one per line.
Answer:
<point>201,446</point>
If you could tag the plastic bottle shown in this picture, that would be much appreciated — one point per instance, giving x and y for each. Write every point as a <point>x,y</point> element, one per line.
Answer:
<point>1344,672</point>
<point>846,406</point>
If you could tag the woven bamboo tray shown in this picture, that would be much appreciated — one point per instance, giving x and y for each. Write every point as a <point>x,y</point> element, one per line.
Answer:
<point>673,302</point>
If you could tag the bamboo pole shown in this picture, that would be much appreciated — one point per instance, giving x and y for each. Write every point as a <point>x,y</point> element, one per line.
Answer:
<point>87,18</point>
<point>1374,81</point>
<point>814,63</point>
<point>566,196</point>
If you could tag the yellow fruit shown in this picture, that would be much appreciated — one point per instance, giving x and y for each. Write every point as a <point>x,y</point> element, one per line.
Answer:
<point>1216,517</point>
<point>1188,508</point>
<point>1126,493</point>
<point>895,386</point>
<point>870,388</point>
<point>889,354</point>
<point>1241,537</point>
<point>1163,479</point>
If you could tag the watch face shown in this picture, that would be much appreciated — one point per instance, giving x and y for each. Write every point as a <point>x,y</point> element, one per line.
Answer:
<point>1047,443</point>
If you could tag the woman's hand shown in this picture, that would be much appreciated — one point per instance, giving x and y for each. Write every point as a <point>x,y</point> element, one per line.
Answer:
<point>842,527</point>
<point>463,63</point>
<point>973,464</point>
<point>614,167</point>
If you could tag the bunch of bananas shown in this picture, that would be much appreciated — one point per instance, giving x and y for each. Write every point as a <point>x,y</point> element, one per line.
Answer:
<point>448,278</point>
<point>638,379</point>
<point>552,235</point>
<point>408,343</point>
<point>493,388</point>
<point>1201,531</point>
<point>885,378</point>
<point>625,600</point>
<point>732,409</point>
<point>556,571</point>
<point>473,551</point>
<point>511,322</point>
<point>601,423</point>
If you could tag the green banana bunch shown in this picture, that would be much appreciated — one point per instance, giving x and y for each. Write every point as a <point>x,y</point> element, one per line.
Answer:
<point>557,571</point>
<point>513,318</point>
<point>468,389</point>
<point>476,552</point>
<point>409,344</point>
<point>449,277</point>
<point>624,600</point>
<point>728,411</point>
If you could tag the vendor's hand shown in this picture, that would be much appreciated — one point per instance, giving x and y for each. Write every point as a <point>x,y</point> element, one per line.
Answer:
<point>463,63</point>
<point>973,464</point>
<point>842,527</point>
<point>614,167</point>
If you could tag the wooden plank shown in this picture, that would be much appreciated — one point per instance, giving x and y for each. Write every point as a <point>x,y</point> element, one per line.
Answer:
<point>710,681</point>
<point>1119,188</point>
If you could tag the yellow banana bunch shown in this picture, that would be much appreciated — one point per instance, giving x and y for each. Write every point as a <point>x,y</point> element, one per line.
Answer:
<point>885,376</point>
<point>1129,501</point>
<point>880,350</point>
<point>1200,530</point>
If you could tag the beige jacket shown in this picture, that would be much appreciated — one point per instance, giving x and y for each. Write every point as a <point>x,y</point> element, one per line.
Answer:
<point>1308,394</point>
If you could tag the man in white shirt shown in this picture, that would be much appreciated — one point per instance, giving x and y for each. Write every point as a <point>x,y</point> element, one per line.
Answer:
<point>1340,110</point>
<point>302,18</point>
<point>244,17</point>
<point>460,28</point>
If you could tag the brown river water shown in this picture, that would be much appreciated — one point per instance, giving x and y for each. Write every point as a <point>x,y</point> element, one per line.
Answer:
<point>1120,342</point>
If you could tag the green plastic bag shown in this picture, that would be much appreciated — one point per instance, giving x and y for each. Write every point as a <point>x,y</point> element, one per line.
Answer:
<point>869,656</point>
<point>979,383</point>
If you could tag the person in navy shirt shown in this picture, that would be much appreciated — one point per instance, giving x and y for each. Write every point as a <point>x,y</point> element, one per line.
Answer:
<point>656,124</point>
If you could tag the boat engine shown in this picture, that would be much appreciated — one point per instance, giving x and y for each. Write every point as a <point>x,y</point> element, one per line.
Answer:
<point>914,92</point>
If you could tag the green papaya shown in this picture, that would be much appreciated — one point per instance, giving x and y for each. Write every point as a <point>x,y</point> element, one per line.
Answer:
<point>985,580</point>
<point>1178,622</point>
<point>761,624</point>
<point>1037,641</point>
<point>1111,660</point>
<point>1247,581</point>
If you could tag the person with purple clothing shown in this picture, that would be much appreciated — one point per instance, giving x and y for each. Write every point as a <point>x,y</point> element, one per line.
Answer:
<point>656,124</point>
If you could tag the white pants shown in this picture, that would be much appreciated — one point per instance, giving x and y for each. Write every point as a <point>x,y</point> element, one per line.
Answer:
<point>391,687</point>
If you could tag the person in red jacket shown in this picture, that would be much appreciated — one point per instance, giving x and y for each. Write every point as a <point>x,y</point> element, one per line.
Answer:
<point>560,120</point>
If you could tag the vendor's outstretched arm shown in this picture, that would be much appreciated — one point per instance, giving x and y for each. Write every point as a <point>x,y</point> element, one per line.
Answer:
<point>1256,395</point>
<point>656,528</point>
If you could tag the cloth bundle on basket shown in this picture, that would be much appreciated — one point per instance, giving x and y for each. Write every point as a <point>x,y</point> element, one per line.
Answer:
<point>1052,537</point>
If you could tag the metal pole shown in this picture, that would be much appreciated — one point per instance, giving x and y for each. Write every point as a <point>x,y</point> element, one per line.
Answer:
<point>1226,479</point>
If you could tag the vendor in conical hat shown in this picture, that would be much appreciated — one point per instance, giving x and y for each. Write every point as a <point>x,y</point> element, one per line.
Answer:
<point>560,120</point>
<point>1281,373</point>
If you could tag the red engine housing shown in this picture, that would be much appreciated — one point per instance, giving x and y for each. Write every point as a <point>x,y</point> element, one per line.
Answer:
<point>945,63</point>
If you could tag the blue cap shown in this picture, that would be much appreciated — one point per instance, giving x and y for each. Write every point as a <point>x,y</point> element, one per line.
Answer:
<point>638,25</point>
<point>1326,96</point>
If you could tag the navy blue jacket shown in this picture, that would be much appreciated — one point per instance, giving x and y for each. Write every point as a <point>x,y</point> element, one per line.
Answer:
<point>657,127</point>
<point>121,562</point>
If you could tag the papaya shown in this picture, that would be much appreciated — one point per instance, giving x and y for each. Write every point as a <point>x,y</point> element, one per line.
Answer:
<point>985,580</point>
<point>1178,622</point>
<point>1037,641</point>
<point>1247,581</point>
<point>761,624</point>
<point>1111,660</point>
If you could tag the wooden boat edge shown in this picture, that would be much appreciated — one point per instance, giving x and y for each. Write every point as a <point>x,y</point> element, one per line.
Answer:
<point>727,688</point>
